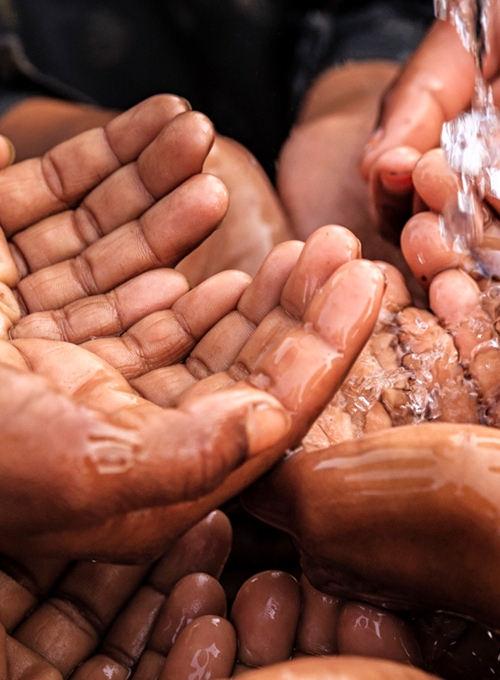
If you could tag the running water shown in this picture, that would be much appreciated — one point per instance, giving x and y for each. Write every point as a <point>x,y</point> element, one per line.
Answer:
<point>468,140</point>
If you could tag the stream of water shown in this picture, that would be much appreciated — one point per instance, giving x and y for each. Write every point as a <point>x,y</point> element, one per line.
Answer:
<point>471,141</point>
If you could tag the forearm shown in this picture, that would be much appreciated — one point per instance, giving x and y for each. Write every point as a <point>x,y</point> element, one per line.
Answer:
<point>37,124</point>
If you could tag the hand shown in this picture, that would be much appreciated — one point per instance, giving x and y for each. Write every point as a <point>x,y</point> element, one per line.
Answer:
<point>317,175</point>
<point>112,484</point>
<point>255,220</point>
<point>369,503</point>
<point>435,86</point>
<point>157,621</point>
<point>98,618</point>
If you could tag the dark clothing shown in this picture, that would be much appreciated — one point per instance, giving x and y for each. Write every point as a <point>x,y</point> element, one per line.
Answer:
<point>239,61</point>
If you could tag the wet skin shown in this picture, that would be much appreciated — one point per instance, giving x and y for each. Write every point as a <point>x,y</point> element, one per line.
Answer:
<point>388,518</point>
<point>86,620</point>
<point>98,618</point>
<point>106,344</point>
<point>480,520</point>
<point>408,517</point>
<point>338,668</point>
<point>435,86</point>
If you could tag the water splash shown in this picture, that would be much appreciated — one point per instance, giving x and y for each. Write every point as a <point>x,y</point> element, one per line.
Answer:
<point>471,141</point>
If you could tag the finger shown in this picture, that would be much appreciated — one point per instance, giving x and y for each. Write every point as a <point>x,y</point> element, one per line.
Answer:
<point>9,275</point>
<point>124,644</point>
<point>7,152</point>
<point>127,638</point>
<point>150,666</point>
<point>363,402</point>
<point>474,334</point>
<point>10,312</point>
<point>265,614</point>
<point>428,251</point>
<point>325,251</point>
<point>108,314</point>
<point>23,584</point>
<point>375,633</point>
<point>438,185</point>
<point>435,181</point>
<point>317,628</point>
<point>193,596</point>
<point>338,668</point>
<point>166,337</point>
<point>466,320</point>
<point>101,666</point>
<point>23,662</point>
<point>396,295</point>
<point>221,344</point>
<point>435,86</point>
<point>206,647</point>
<point>40,187</point>
<point>152,241</point>
<point>65,629</point>
<point>178,152</point>
<point>400,483</point>
<point>341,316</point>
<point>219,347</point>
<point>203,548</point>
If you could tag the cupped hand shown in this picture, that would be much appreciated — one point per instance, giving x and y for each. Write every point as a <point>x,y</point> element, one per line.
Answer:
<point>106,472</point>
<point>435,86</point>
<point>392,497</point>
<point>121,476</point>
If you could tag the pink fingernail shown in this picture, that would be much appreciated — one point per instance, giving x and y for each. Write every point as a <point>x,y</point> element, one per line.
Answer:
<point>396,182</point>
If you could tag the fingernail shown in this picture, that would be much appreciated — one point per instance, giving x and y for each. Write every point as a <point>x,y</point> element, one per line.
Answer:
<point>265,426</point>
<point>396,182</point>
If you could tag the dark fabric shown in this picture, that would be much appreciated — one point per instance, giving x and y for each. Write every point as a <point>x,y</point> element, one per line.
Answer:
<point>238,61</point>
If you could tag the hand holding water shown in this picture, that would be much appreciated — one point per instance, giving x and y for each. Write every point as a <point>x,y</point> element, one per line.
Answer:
<point>436,86</point>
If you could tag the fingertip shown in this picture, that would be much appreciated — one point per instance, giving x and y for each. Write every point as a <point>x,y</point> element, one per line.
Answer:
<point>7,152</point>
<point>345,310</point>
<point>443,291</point>
<point>217,191</point>
<point>207,644</point>
<point>427,250</point>
<point>265,426</point>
